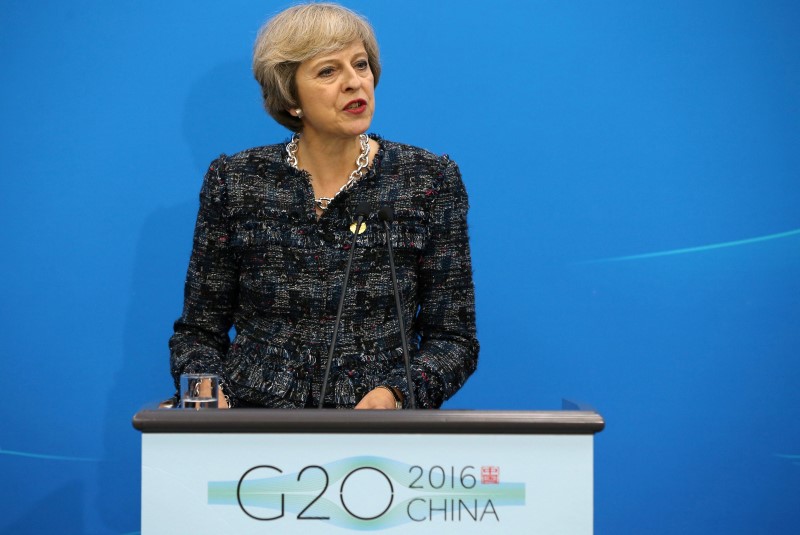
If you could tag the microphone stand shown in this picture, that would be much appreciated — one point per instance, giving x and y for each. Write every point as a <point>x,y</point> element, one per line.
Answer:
<point>362,211</point>
<point>386,214</point>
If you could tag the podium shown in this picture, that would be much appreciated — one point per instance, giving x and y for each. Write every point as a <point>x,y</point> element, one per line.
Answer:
<point>254,471</point>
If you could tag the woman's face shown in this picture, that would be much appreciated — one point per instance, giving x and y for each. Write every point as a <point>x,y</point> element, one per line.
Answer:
<point>336,92</point>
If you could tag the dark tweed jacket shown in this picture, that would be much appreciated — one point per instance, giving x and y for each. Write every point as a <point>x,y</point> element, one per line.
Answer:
<point>263,263</point>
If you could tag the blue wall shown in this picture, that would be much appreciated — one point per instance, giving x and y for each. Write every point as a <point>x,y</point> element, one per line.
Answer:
<point>588,133</point>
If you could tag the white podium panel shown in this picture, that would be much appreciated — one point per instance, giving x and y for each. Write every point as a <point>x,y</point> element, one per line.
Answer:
<point>227,482</point>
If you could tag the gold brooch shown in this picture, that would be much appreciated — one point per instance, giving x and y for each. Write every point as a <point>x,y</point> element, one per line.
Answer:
<point>361,229</point>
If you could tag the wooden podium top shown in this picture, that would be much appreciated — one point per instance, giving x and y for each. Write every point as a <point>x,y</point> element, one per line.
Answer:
<point>436,422</point>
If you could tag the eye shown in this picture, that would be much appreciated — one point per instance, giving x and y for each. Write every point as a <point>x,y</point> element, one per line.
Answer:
<point>362,65</point>
<point>326,72</point>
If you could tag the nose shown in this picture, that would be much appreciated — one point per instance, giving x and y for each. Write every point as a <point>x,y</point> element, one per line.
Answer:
<point>352,80</point>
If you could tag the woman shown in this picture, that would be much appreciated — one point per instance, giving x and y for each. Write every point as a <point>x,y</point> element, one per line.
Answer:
<point>274,230</point>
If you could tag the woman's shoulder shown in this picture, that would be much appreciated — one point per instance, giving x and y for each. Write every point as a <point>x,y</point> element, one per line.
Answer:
<point>411,153</point>
<point>425,165</point>
<point>255,156</point>
<point>247,172</point>
<point>241,177</point>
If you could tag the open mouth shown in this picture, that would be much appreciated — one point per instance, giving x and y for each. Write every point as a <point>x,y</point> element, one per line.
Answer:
<point>356,105</point>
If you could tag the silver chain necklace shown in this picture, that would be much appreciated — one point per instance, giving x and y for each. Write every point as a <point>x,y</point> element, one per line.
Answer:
<point>361,163</point>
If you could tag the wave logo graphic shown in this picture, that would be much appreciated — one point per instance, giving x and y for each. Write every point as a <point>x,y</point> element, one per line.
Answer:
<point>368,493</point>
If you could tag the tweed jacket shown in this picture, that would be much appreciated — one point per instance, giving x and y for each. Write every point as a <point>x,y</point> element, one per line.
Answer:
<point>264,264</point>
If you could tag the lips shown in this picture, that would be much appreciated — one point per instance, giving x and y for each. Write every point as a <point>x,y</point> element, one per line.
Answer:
<point>356,106</point>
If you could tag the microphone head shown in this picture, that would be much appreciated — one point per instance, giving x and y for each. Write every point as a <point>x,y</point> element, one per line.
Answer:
<point>363,209</point>
<point>386,213</point>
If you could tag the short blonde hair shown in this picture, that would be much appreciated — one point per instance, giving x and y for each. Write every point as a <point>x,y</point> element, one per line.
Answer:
<point>297,34</point>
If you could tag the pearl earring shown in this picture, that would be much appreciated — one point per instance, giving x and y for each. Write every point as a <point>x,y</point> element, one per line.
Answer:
<point>299,113</point>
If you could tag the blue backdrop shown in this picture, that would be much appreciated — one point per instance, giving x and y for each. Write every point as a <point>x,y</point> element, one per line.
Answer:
<point>633,173</point>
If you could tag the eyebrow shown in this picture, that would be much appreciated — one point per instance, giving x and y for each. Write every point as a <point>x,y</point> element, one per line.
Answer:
<point>328,59</point>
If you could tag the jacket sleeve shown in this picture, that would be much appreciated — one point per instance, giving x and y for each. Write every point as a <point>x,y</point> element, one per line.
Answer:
<point>448,350</point>
<point>201,336</point>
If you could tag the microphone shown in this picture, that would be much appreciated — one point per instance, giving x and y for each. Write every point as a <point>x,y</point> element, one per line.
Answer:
<point>386,214</point>
<point>362,211</point>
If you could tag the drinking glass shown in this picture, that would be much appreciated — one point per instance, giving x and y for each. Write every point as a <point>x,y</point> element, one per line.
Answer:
<point>199,391</point>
